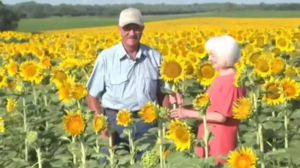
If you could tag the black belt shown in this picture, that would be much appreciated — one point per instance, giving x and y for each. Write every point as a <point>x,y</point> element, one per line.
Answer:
<point>134,113</point>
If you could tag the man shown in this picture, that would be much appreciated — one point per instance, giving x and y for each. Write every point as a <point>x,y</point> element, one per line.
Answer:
<point>126,76</point>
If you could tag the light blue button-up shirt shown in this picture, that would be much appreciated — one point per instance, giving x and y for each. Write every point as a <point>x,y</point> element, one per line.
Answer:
<point>123,83</point>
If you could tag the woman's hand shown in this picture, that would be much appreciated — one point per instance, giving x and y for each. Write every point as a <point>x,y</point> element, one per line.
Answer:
<point>180,113</point>
<point>176,98</point>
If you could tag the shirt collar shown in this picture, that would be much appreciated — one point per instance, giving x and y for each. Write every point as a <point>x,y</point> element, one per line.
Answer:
<point>122,52</point>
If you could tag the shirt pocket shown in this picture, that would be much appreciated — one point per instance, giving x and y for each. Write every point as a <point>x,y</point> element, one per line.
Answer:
<point>118,86</point>
<point>151,81</point>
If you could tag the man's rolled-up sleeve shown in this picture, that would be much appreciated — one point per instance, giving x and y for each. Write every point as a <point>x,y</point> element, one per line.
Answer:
<point>96,82</point>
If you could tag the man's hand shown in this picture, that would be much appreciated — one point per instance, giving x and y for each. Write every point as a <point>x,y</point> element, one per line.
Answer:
<point>176,98</point>
<point>104,134</point>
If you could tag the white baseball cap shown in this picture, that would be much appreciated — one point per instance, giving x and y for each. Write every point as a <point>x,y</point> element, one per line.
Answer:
<point>131,15</point>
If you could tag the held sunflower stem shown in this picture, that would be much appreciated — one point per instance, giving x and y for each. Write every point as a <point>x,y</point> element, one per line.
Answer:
<point>174,106</point>
<point>74,156</point>
<point>205,136</point>
<point>25,128</point>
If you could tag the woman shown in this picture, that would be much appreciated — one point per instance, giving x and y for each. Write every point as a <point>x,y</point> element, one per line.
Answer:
<point>224,52</point>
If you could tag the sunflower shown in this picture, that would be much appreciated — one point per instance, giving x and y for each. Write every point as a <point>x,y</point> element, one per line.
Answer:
<point>69,63</point>
<point>58,76</point>
<point>10,104</point>
<point>282,43</point>
<point>148,113</point>
<point>275,97</point>
<point>3,78</point>
<point>173,69</point>
<point>242,108</point>
<point>79,91</point>
<point>124,117</point>
<point>99,123</point>
<point>277,65</point>
<point>290,88</point>
<point>191,67</point>
<point>12,67</point>
<point>30,71</point>
<point>206,73</point>
<point>65,92</point>
<point>253,56</point>
<point>262,67</point>
<point>74,123</point>
<point>45,62</point>
<point>181,135</point>
<point>242,158</point>
<point>2,125</point>
<point>201,101</point>
<point>291,71</point>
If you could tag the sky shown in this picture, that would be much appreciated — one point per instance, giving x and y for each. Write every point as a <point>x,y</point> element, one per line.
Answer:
<point>55,2</point>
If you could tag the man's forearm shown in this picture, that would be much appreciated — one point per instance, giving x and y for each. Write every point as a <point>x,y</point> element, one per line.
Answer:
<point>163,99</point>
<point>93,104</point>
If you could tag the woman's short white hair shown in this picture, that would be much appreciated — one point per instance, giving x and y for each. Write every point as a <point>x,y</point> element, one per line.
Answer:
<point>226,49</point>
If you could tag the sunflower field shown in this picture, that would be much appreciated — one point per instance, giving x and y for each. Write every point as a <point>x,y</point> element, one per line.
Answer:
<point>45,121</point>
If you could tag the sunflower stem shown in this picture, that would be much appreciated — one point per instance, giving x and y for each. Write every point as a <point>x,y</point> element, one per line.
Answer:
<point>286,122</point>
<point>34,95</point>
<point>111,152</point>
<point>205,136</point>
<point>25,129</point>
<point>161,147</point>
<point>132,148</point>
<point>74,156</point>
<point>46,104</point>
<point>83,155</point>
<point>260,130</point>
<point>39,157</point>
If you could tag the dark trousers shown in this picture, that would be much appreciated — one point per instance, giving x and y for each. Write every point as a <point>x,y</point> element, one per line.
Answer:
<point>138,131</point>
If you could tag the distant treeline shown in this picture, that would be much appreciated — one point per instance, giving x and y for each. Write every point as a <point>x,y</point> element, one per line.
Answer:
<point>35,10</point>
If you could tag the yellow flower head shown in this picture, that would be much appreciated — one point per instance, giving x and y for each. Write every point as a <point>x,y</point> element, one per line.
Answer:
<point>2,125</point>
<point>10,105</point>
<point>277,65</point>
<point>201,100</point>
<point>274,95</point>
<point>12,67</point>
<point>79,91</point>
<point>74,123</point>
<point>3,78</point>
<point>290,88</point>
<point>243,158</point>
<point>205,73</point>
<point>173,69</point>
<point>148,113</point>
<point>262,67</point>
<point>291,71</point>
<point>180,133</point>
<point>58,76</point>
<point>124,117</point>
<point>30,71</point>
<point>242,108</point>
<point>99,123</point>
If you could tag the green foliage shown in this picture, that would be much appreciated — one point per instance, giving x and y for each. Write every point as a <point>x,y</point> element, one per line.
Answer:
<point>8,19</point>
<point>36,10</point>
